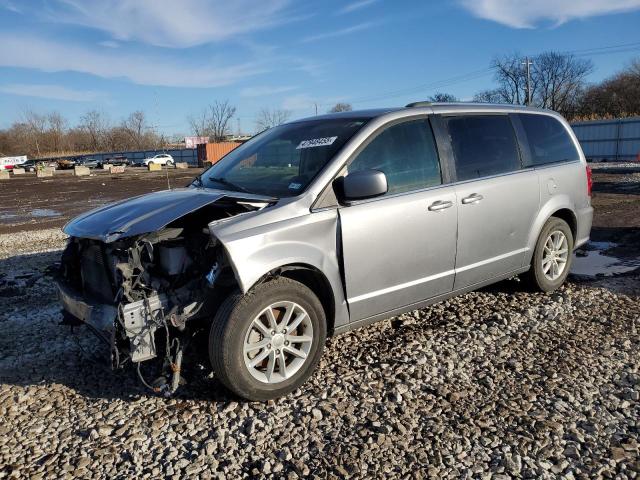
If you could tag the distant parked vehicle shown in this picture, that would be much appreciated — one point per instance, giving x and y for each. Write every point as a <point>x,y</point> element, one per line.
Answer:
<point>32,165</point>
<point>88,162</point>
<point>160,159</point>
<point>66,163</point>
<point>117,160</point>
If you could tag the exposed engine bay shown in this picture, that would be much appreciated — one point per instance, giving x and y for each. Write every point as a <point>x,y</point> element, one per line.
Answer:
<point>146,295</point>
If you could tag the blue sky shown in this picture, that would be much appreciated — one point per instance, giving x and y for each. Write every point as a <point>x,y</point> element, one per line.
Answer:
<point>171,58</point>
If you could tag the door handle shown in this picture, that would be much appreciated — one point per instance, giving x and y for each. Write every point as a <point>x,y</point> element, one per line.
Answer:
<point>473,198</point>
<point>440,205</point>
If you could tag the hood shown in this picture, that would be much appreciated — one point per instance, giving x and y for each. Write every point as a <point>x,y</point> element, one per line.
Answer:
<point>144,214</point>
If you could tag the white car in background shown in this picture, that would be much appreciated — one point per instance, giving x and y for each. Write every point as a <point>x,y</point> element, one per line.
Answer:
<point>160,159</point>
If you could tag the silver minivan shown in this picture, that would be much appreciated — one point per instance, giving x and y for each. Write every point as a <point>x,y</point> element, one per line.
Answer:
<point>323,225</point>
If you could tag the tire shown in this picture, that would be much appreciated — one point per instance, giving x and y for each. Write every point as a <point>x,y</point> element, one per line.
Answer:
<point>541,276</point>
<point>169,163</point>
<point>235,327</point>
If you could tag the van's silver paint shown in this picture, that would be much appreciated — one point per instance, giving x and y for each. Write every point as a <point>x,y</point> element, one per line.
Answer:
<point>375,243</point>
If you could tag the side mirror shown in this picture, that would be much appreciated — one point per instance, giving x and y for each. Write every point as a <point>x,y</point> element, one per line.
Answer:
<point>361,185</point>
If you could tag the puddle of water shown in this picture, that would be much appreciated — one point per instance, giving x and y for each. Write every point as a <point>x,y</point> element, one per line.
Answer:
<point>44,212</point>
<point>595,262</point>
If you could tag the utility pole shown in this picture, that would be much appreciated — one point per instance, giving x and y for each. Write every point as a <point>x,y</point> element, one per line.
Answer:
<point>527,63</point>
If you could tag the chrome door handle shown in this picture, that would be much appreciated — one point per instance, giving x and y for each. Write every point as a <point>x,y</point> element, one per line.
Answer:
<point>473,198</point>
<point>440,205</point>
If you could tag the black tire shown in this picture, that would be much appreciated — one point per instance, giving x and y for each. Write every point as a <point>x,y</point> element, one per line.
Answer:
<point>230,326</point>
<point>535,277</point>
<point>169,163</point>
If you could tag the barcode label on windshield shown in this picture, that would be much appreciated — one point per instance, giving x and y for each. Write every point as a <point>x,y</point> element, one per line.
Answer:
<point>316,142</point>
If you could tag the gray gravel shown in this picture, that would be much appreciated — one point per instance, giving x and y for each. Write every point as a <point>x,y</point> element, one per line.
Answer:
<point>494,384</point>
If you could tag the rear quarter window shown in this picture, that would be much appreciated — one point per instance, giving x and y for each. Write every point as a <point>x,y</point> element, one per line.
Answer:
<point>549,142</point>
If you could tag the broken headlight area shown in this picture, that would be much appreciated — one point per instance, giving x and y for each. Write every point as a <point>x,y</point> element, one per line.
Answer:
<point>146,296</point>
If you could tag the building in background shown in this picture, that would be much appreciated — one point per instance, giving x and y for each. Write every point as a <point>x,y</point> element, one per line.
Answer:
<point>193,142</point>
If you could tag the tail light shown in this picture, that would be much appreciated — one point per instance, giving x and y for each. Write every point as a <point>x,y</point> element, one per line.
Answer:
<point>589,180</point>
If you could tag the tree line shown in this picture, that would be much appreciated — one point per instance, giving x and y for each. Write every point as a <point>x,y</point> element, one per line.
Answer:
<point>42,135</point>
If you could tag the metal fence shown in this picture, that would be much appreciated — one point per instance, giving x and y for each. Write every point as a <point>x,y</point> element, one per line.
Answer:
<point>609,140</point>
<point>188,155</point>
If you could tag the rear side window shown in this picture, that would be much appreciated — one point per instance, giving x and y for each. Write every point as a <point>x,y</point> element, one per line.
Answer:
<point>483,145</point>
<point>406,153</point>
<point>548,140</point>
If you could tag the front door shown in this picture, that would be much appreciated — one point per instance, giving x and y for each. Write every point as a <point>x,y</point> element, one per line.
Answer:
<point>400,248</point>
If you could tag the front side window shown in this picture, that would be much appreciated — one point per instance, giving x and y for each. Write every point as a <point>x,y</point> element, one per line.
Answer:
<point>406,153</point>
<point>483,145</point>
<point>282,161</point>
<point>548,140</point>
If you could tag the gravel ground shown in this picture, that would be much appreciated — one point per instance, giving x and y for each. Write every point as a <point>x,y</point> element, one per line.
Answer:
<point>493,384</point>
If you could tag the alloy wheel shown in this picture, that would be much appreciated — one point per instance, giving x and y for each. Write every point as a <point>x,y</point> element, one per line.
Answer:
<point>555,255</point>
<point>277,342</point>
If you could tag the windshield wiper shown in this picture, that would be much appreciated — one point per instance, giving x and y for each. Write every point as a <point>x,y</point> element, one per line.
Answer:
<point>227,183</point>
<point>198,181</point>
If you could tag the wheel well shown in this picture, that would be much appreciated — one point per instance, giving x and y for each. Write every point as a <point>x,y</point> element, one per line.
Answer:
<point>568,216</point>
<point>315,281</point>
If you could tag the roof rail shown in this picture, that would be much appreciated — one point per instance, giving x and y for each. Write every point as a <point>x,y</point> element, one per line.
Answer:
<point>418,104</point>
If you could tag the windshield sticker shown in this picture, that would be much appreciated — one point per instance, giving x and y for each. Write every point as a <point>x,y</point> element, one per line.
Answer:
<point>316,142</point>
<point>295,186</point>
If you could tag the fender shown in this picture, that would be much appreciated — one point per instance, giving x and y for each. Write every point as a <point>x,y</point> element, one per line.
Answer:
<point>309,239</point>
<point>555,203</point>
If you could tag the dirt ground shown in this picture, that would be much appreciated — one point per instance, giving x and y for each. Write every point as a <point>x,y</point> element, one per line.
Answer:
<point>30,203</point>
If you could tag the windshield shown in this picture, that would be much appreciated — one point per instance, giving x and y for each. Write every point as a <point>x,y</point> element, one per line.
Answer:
<point>282,161</point>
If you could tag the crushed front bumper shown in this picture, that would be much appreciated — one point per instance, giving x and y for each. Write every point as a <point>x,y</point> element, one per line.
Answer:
<point>99,317</point>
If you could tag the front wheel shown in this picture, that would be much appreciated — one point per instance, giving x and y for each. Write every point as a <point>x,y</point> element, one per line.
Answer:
<point>552,256</point>
<point>266,343</point>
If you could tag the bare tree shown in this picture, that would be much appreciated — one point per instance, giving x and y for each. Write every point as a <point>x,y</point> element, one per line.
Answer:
<point>488,96</point>
<point>557,80</point>
<point>57,126</point>
<point>213,121</point>
<point>560,80</point>
<point>341,107</point>
<point>199,123</point>
<point>135,125</point>
<point>443,98</point>
<point>220,114</point>
<point>269,118</point>
<point>511,79</point>
<point>36,125</point>
<point>95,125</point>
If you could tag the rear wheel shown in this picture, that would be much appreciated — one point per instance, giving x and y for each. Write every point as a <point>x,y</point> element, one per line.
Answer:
<point>552,256</point>
<point>266,343</point>
<point>169,163</point>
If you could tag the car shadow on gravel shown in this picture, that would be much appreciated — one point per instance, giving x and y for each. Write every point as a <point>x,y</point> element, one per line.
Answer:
<point>36,350</point>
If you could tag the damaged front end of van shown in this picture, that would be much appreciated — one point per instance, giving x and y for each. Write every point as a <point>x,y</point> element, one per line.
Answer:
<point>142,273</point>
